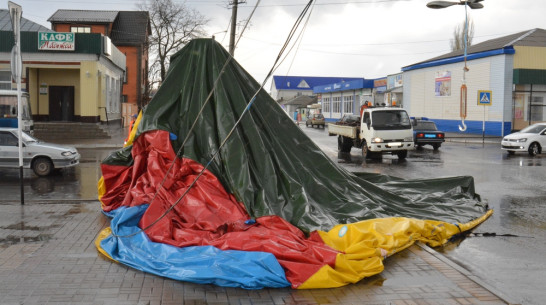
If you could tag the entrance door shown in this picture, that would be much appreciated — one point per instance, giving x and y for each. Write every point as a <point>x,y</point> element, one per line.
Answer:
<point>61,103</point>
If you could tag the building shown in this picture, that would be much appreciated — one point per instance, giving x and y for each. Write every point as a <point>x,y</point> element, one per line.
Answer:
<point>505,84</point>
<point>347,97</point>
<point>295,93</point>
<point>128,31</point>
<point>74,77</point>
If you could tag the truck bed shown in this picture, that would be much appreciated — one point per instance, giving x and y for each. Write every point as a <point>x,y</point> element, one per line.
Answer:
<point>346,131</point>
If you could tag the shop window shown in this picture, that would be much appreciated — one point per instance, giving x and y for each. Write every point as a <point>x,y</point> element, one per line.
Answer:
<point>326,105</point>
<point>336,104</point>
<point>5,80</point>
<point>348,104</point>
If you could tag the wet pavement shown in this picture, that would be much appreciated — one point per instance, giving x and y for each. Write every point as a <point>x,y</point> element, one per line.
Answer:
<point>48,256</point>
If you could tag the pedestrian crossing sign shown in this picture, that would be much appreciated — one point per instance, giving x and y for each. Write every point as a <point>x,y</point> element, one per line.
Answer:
<point>484,97</point>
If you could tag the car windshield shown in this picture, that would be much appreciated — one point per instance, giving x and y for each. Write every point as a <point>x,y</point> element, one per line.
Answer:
<point>27,138</point>
<point>318,116</point>
<point>390,119</point>
<point>425,126</point>
<point>533,129</point>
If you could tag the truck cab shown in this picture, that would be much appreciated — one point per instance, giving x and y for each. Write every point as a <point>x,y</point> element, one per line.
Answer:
<point>8,111</point>
<point>386,130</point>
<point>380,130</point>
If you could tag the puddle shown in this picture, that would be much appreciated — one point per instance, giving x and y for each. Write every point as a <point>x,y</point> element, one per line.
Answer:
<point>12,240</point>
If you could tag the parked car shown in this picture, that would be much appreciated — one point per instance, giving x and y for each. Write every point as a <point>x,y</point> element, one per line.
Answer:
<point>530,139</point>
<point>425,132</point>
<point>316,119</point>
<point>349,120</point>
<point>41,157</point>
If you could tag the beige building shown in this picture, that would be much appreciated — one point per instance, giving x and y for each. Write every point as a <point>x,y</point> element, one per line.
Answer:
<point>73,77</point>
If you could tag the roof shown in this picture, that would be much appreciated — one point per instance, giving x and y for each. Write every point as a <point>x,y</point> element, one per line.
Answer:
<point>306,82</point>
<point>532,38</point>
<point>131,27</point>
<point>302,100</point>
<point>83,16</point>
<point>128,27</point>
<point>26,25</point>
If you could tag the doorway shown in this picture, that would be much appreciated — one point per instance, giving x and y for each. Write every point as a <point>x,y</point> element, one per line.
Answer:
<point>61,103</point>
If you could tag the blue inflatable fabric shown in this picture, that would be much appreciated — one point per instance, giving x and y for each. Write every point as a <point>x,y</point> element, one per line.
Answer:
<point>199,264</point>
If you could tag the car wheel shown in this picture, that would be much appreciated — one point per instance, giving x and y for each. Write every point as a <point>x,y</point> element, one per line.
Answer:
<point>42,166</point>
<point>436,146</point>
<point>402,154</point>
<point>534,149</point>
<point>306,124</point>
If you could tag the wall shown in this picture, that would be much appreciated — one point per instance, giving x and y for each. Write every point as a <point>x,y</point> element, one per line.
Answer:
<point>530,58</point>
<point>491,73</point>
<point>95,28</point>
<point>132,87</point>
<point>58,77</point>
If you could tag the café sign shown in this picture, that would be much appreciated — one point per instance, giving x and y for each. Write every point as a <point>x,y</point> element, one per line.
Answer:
<point>56,41</point>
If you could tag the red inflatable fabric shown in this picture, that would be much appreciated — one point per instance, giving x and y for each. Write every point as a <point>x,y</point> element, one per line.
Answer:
<point>207,215</point>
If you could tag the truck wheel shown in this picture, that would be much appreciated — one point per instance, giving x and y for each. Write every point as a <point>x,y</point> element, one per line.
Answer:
<point>42,166</point>
<point>344,144</point>
<point>402,154</point>
<point>365,152</point>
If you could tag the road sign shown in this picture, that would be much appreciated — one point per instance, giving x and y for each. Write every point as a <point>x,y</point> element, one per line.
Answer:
<point>485,97</point>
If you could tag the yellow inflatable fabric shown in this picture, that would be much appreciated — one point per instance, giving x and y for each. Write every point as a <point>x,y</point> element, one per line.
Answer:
<point>365,244</point>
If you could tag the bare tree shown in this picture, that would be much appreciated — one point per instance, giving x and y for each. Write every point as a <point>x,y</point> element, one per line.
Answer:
<point>173,26</point>
<point>457,42</point>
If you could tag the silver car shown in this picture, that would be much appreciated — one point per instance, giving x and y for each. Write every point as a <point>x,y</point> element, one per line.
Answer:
<point>41,157</point>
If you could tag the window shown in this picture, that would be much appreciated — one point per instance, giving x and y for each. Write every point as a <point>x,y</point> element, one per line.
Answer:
<point>80,29</point>
<point>336,104</point>
<point>348,104</point>
<point>326,105</point>
<point>125,76</point>
<point>5,80</point>
<point>8,139</point>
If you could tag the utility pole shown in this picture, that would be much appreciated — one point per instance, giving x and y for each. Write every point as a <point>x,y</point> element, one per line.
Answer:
<point>233,26</point>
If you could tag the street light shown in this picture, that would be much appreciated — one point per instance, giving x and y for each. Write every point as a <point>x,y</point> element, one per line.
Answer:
<point>473,4</point>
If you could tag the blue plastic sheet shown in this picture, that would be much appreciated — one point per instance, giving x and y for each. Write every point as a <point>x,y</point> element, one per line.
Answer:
<point>200,264</point>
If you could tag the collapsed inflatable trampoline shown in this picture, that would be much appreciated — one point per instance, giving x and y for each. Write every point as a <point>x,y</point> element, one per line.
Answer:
<point>260,205</point>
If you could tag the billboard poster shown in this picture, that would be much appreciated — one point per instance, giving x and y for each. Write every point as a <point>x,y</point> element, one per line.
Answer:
<point>442,83</point>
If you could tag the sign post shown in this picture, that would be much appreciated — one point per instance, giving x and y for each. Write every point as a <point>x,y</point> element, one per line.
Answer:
<point>15,12</point>
<point>484,99</point>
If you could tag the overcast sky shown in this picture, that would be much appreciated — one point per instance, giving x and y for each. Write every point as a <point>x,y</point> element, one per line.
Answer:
<point>343,38</point>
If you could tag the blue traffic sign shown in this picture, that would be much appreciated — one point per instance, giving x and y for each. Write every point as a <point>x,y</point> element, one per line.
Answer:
<point>485,97</point>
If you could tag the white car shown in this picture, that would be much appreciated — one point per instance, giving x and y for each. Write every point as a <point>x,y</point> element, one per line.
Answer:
<point>41,157</point>
<point>530,139</point>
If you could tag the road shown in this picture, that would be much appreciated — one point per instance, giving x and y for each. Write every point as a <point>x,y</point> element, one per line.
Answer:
<point>512,262</point>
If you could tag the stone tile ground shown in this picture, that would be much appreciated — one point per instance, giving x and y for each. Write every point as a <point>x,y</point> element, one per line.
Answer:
<point>48,256</point>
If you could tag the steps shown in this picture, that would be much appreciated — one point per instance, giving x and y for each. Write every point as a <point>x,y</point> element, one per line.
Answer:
<point>51,131</point>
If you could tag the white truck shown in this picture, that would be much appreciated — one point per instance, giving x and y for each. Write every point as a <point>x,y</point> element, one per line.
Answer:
<point>381,130</point>
<point>8,111</point>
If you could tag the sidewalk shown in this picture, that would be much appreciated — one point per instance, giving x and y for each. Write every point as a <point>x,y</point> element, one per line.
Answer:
<point>48,256</point>
<point>471,138</point>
